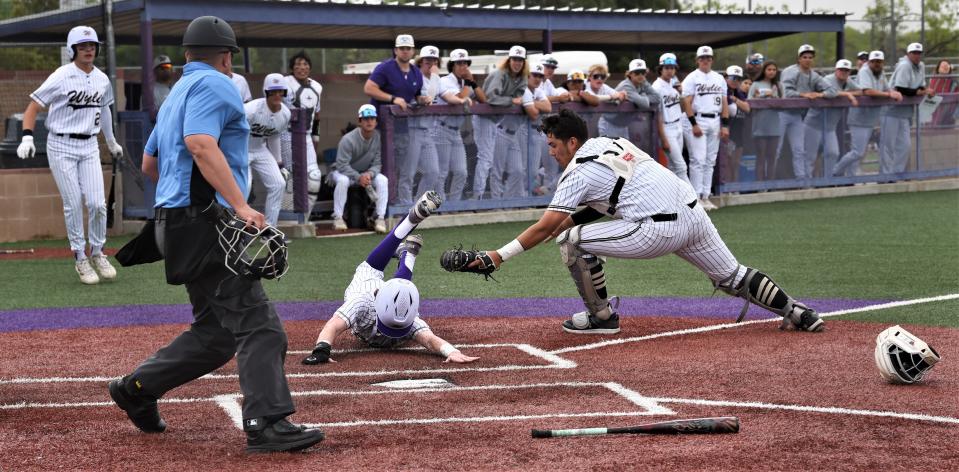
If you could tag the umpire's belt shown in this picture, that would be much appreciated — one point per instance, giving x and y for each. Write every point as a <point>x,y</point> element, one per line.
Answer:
<point>163,214</point>
<point>507,130</point>
<point>75,136</point>
<point>707,115</point>
<point>670,216</point>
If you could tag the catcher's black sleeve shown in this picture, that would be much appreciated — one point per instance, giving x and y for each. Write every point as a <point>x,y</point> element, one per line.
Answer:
<point>586,215</point>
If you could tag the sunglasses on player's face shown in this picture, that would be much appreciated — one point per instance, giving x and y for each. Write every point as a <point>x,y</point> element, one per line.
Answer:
<point>599,76</point>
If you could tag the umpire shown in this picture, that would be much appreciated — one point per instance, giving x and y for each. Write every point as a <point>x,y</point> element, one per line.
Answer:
<point>201,136</point>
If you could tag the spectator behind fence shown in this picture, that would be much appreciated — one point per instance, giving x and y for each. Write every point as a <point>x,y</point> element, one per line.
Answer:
<point>738,109</point>
<point>163,76</point>
<point>862,58</point>
<point>821,122</point>
<point>549,67</point>
<point>304,93</point>
<point>671,115</point>
<point>766,128</point>
<point>944,82</point>
<point>909,79</point>
<point>754,66</point>
<point>421,156</point>
<point>503,87</point>
<point>358,163</point>
<point>801,81</point>
<point>862,120</point>
<point>597,91</point>
<point>555,94</point>
<point>637,90</point>
<point>457,88</point>
<point>574,85</point>
<point>525,147</point>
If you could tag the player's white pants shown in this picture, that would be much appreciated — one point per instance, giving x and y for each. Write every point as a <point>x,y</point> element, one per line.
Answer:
<point>551,169</point>
<point>315,176</point>
<point>893,144</point>
<point>342,184</point>
<point>510,156</point>
<point>75,165</point>
<point>848,166</point>
<point>420,157</point>
<point>451,157</point>
<point>365,280</point>
<point>484,134</point>
<point>794,129</point>
<point>702,156</point>
<point>692,237</point>
<point>674,136</point>
<point>830,153</point>
<point>264,165</point>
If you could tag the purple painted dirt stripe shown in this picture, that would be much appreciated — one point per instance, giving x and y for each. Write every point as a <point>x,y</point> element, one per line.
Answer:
<point>132,315</point>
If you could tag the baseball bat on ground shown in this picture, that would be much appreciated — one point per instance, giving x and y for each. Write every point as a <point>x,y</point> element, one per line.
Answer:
<point>17,251</point>
<point>717,425</point>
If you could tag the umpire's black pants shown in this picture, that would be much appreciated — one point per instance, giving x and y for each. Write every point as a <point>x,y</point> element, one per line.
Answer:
<point>231,314</point>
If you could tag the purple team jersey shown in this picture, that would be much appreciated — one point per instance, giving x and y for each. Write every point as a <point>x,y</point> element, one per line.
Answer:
<point>395,82</point>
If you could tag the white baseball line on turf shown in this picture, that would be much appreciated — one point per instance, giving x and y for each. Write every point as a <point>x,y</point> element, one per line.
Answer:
<point>554,362</point>
<point>812,409</point>
<point>704,329</point>
<point>409,348</point>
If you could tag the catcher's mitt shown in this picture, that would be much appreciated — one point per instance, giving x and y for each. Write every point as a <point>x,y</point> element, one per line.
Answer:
<point>459,260</point>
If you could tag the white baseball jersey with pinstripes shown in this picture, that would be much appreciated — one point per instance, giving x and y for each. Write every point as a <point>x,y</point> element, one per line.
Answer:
<point>359,311</point>
<point>708,90</point>
<point>632,234</point>
<point>74,99</point>
<point>265,125</point>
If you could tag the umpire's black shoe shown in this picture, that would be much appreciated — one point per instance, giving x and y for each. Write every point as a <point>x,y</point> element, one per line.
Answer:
<point>281,436</point>
<point>585,323</point>
<point>141,410</point>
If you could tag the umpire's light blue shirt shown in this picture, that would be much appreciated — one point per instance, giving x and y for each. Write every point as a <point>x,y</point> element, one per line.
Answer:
<point>203,101</point>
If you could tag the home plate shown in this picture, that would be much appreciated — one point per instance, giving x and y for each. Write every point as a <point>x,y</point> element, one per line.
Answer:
<point>415,383</point>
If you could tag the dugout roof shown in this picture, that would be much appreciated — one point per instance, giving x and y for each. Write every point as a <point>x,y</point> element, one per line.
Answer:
<point>375,23</point>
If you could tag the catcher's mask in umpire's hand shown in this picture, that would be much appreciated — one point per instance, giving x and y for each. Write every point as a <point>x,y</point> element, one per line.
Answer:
<point>250,252</point>
<point>397,306</point>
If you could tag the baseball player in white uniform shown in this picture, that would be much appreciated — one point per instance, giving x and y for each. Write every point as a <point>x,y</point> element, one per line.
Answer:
<point>671,114</point>
<point>456,88</point>
<point>242,86</point>
<point>268,118</point>
<point>653,213</point>
<point>304,92</point>
<point>79,97</point>
<point>386,314</point>
<point>514,153</point>
<point>704,92</point>
<point>421,155</point>
<point>556,95</point>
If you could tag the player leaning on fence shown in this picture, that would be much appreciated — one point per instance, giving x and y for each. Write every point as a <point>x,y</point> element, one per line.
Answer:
<point>652,213</point>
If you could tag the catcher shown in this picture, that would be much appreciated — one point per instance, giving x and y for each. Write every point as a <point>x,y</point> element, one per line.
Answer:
<point>653,213</point>
<point>386,315</point>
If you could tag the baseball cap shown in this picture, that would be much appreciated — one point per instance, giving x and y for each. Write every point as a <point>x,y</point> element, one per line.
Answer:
<point>877,56</point>
<point>460,55</point>
<point>862,54</point>
<point>668,59</point>
<point>367,111</point>
<point>576,74</point>
<point>517,51</point>
<point>537,68</point>
<point>637,65</point>
<point>704,51</point>
<point>404,41</point>
<point>755,59</point>
<point>160,60</point>
<point>549,61</point>
<point>430,51</point>
<point>843,64</point>
<point>806,48</point>
<point>734,71</point>
<point>914,47</point>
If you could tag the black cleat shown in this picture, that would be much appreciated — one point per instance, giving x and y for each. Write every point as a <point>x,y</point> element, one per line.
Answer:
<point>584,323</point>
<point>424,207</point>
<point>281,436</point>
<point>804,319</point>
<point>142,411</point>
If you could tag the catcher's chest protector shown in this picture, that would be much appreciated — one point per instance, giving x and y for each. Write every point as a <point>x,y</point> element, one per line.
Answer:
<point>621,156</point>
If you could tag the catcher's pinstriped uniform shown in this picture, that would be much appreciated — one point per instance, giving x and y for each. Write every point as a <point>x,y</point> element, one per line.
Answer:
<point>632,234</point>
<point>359,312</point>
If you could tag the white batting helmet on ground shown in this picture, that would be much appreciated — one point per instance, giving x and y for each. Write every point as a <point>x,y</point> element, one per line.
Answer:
<point>81,34</point>
<point>903,358</point>
<point>273,82</point>
<point>397,306</point>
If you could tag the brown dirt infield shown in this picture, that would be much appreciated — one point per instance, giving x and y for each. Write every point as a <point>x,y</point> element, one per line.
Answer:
<point>745,366</point>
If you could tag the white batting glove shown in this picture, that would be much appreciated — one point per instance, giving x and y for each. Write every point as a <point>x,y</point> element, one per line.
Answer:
<point>115,149</point>
<point>26,149</point>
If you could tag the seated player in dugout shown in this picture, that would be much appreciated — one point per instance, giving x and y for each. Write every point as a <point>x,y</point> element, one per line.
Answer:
<point>386,314</point>
<point>653,213</point>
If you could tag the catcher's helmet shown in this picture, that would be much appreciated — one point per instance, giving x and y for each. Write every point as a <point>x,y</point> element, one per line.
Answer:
<point>210,31</point>
<point>902,357</point>
<point>397,307</point>
<point>248,251</point>
<point>81,34</point>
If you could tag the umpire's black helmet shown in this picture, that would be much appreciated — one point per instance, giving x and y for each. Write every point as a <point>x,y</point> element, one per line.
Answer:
<point>207,31</point>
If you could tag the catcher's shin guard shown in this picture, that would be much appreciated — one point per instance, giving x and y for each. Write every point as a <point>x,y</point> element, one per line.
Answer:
<point>587,272</point>
<point>756,287</point>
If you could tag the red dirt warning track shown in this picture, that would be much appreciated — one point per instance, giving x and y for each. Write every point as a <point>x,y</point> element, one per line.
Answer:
<point>738,368</point>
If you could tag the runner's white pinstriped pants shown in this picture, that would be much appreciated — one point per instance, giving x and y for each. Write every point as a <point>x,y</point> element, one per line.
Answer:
<point>264,165</point>
<point>75,165</point>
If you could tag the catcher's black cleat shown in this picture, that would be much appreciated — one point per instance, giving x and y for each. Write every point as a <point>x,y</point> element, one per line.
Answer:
<point>281,436</point>
<point>424,207</point>
<point>585,323</point>
<point>141,410</point>
<point>803,319</point>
